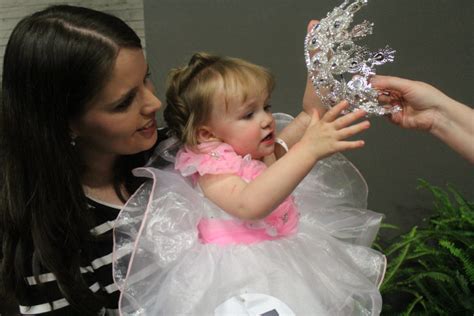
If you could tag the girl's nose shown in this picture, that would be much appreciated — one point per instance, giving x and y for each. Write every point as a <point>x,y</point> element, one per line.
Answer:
<point>267,120</point>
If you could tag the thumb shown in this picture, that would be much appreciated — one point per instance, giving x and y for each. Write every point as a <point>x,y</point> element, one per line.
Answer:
<point>311,24</point>
<point>390,83</point>
<point>396,118</point>
<point>314,117</point>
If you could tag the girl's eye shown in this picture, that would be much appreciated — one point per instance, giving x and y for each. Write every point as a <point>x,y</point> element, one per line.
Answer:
<point>248,116</point>
<point>122,106</point>
<point>268,108</point>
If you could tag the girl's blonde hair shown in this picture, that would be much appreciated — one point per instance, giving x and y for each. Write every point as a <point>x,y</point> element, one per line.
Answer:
<point>191,90</point>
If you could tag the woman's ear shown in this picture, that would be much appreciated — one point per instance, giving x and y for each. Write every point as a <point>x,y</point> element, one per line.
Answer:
<point>72,134</point>
<point>205,134</point>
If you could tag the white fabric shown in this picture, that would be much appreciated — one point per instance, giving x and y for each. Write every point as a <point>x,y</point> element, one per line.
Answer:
<point>326,268</point>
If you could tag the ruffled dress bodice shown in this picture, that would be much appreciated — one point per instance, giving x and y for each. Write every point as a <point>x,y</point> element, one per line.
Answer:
<point>220,158</point>
<point>216,158</point>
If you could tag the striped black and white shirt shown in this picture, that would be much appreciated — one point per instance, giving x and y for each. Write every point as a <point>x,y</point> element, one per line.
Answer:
<point>96,271</point>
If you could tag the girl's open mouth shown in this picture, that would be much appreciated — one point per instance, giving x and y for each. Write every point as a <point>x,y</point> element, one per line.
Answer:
<point>268,137</point>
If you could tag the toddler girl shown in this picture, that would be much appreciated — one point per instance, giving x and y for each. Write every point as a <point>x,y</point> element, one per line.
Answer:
<point>245,232</point>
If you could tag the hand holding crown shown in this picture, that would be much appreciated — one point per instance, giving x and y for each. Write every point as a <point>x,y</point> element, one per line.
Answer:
<point>331,53</point>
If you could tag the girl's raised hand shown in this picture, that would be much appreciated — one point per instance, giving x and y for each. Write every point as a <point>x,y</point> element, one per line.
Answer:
<point>326,135</point>
<point>311,100</point>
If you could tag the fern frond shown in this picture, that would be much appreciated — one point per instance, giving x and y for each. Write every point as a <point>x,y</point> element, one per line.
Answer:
<point>442,201</point>
<point>412,305</point>
<point>436,276</point>
<point>431,300</point>
<point>420,254</point>
<point>396,263</point>
<point>458,253</point>
<point>466,208</point>
<point>377,247</point>
<point>405,240</point>
<point>462,202</point>
<point>424,264</point>
<point>405,289</point>
<point>463,284</point>
<point>461,236</point>
<point>388,226</point>
<point>433,266</point>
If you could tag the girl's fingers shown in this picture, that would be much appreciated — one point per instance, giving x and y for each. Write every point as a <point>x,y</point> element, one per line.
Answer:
<point>335,111</point>
<point>348,119</point>
<point>353,129</point>
<point>348,145</point>
<point>314,117</point>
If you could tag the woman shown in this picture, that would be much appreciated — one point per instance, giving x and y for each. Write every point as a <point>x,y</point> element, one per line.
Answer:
<point>77,114</point>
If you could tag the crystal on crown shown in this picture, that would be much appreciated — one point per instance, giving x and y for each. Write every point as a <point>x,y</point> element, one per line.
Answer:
<point>331,54</point>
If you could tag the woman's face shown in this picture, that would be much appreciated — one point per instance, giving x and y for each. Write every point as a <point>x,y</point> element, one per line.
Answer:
<point>120,120</point>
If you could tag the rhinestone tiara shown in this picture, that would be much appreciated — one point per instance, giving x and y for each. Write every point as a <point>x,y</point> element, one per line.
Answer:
<point>340,69</point>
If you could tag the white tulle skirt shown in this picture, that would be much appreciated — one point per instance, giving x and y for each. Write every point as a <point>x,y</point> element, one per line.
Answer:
<point>326,268</point>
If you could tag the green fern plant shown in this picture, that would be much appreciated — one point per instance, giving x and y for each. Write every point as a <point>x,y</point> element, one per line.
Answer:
<point>431,269</point>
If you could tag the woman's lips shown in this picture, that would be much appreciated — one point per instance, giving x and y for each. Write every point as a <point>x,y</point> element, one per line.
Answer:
<point>149,129</point>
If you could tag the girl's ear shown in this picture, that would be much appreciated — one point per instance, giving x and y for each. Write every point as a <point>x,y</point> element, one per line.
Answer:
<point>205,134</point>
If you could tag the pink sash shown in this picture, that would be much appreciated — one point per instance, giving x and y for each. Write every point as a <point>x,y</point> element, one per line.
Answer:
<point>283,221</point>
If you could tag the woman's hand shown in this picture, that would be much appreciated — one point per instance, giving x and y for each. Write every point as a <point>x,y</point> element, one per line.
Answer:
<point>420,102</point>
<point>425,107</point>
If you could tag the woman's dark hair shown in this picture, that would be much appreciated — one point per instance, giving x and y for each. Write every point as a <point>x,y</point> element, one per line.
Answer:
<point>56,61</point>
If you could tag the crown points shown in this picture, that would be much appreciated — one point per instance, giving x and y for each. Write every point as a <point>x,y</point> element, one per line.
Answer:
<point>331,54</point>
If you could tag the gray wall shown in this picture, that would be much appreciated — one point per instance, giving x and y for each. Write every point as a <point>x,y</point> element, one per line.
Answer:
<point>434,43</point>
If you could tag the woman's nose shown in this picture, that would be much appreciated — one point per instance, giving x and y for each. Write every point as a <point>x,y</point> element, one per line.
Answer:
<point>151,103</point>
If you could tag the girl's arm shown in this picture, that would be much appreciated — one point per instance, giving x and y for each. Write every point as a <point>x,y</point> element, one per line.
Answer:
<point>292,133</point>
<point>257,199</point>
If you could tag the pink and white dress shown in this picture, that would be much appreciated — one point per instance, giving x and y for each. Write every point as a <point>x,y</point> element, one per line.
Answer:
<point>177,253</point>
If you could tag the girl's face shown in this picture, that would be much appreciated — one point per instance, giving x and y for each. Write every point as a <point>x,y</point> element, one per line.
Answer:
<point>121,119</point>
<point>247,126</point>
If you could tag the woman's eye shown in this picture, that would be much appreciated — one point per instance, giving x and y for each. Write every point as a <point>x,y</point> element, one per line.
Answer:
<point>268,108</point>
<point>147,76</point>
<point>122,106</point>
